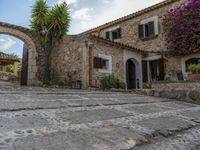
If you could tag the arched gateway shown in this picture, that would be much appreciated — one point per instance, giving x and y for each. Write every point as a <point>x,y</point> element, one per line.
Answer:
<point>25,35</point>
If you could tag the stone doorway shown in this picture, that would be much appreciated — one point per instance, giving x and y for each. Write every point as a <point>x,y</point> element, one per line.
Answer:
<point>130,74</point>
<point>24,34</point>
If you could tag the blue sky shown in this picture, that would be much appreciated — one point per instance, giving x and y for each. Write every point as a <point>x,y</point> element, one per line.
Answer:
<point>85,15</point>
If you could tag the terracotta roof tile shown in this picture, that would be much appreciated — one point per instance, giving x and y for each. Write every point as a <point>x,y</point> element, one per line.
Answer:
<point>5,56</point>
<point>117,44</point>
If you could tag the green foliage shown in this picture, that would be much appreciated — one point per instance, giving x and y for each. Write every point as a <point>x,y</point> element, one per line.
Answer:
<point>10,68</point>
<point>58,20</point>
<point>39,16</point>
<point>109,82</point>
<point>50,25</point>
<point>55,82</point>
<point>147,85</point>
<point>194,68</point>
<point>19,67</point>
<point>1,68</point>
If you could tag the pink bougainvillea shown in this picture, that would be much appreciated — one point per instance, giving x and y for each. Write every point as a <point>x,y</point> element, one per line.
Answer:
<point>182,28</point>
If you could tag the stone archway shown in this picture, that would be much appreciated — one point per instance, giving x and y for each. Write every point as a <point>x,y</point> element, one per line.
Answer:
<point>24,34</point>
<point>131,74</point>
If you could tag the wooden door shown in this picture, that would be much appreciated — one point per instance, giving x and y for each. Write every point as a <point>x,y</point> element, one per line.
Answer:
<point>144,71</point>
<point>131,75</point>
<point>24,73</point>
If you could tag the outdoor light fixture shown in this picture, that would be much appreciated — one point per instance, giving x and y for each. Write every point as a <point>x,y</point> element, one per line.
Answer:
<point>88,43</point>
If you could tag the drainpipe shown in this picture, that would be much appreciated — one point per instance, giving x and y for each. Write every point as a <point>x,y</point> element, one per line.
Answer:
<point>90,66</point>
<point>88,45</point>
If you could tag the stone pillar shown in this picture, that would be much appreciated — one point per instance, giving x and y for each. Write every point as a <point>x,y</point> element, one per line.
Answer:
<point>16,68</point>
<point>4,68</point>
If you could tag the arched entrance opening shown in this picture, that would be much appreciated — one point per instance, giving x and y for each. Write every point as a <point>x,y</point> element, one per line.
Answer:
<point>131,74</point>
<point>13,61</point>
<point>29,53</point>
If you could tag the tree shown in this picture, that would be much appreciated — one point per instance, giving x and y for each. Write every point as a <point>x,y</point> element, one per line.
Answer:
<point>182,28</point>
<point>50,24</point>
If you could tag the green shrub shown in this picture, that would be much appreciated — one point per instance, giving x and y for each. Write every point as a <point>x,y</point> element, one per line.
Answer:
<point>147,85</point>
<point>10,68</point>
<point>194,68</point>
<point>54,82</point>
<point>109,82</point>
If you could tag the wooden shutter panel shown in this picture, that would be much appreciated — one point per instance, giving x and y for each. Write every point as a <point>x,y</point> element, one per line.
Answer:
<point>144,71</point>
<point>108,35</point>
<point>162,69</point>
<point>97,62</point>
<point>119,33</point>
<point>151,28</point>
<point>141,31</point>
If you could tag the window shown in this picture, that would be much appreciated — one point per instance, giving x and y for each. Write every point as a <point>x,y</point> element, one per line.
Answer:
<point>100,63</point>
<point>103,63</point>
<point>148,28</point>
<point>114,34</point>
<point>195,61</point>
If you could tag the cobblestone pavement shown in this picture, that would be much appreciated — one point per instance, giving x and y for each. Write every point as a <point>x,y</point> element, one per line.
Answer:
<point>33,118</point>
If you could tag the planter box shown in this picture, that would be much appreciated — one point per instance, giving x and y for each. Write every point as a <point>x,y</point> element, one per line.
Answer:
<point>193,77</point>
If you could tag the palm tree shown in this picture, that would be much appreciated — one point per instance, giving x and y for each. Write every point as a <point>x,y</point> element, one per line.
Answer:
<point>50,24</point>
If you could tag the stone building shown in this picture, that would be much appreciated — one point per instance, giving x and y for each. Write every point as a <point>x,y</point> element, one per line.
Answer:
<point>132,48</point>
<point>5,60</point>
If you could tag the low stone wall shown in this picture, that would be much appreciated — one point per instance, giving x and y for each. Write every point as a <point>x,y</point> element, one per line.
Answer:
<point>176,85</point>
<point>183,91</point>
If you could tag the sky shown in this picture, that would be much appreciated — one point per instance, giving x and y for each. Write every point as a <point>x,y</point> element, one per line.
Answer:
<point>85,14</point>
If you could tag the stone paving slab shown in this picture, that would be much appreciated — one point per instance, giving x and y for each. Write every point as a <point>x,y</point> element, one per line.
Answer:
<point>192,114</point>
<point>91,115</point>
<point>150,108</point>
<point>88,139</point>
<point>35,118</point>
<point>166,125</point>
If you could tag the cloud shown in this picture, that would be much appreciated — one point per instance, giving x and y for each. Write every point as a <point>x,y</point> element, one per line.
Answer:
<point>106,1</point>
<point>83,14</point>
<point>6,43</point>
<point>67,1</point>
<point>115,9</point>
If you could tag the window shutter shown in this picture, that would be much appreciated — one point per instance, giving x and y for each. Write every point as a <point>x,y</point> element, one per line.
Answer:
<point>162,69</point>
<point>108,35</point>
<point>141,31</point>
<point>151,28</point>
<point>119,32</point>
<point>97,62</point>
<point>144,71</point>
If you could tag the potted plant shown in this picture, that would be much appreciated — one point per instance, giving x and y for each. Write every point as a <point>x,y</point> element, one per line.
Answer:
<point>194,72</point>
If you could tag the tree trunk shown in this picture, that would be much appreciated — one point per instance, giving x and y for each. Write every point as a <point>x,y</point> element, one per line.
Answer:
<point>47,50</point>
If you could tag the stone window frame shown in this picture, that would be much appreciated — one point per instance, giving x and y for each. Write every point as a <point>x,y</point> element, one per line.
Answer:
<point>154,19</point>
<point>110,33</point>
<point>183,62</point>
<point>109,59</point>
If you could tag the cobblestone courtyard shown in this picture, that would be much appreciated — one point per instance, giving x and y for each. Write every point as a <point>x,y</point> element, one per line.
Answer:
<point>58,119</point>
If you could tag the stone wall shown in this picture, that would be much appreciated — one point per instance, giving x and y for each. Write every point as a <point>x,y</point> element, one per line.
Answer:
<point>183,91</point>
<point>35,52</point>
<point>117,62</point>
<point>172,67</point>
<point>129,29</point>
<point>176,85</point>
<point>67,60</point>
